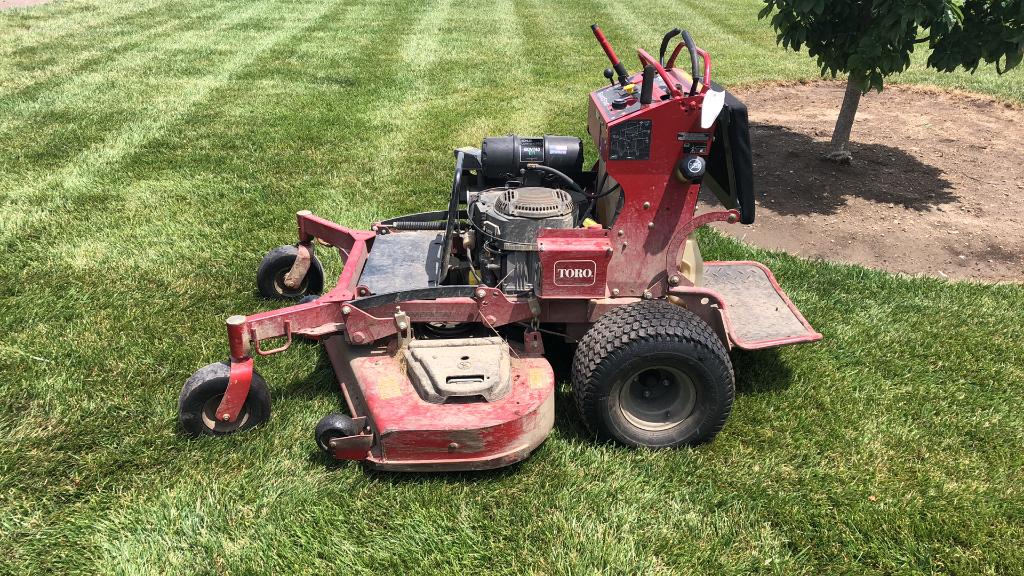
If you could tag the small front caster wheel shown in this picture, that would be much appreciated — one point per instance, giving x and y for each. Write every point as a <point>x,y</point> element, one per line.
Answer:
<point>201,394</point>
<point>334,425</point>
<point>276,265</point>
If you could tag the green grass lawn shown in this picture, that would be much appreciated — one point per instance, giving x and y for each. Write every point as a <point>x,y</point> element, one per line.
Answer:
<point>152,151</point>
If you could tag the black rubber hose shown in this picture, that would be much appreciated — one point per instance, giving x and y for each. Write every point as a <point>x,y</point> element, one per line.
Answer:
<point>605,193</point>
<point>562,175</point>
<point>595,198</point>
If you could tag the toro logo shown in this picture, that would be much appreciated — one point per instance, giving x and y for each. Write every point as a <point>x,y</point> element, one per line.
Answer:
<point>575,272</point>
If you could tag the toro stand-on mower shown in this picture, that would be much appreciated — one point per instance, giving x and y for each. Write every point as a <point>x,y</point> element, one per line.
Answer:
<point>434,327</point>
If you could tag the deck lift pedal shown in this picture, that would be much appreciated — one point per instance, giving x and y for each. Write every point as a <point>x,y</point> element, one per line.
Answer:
<point>434,326</point>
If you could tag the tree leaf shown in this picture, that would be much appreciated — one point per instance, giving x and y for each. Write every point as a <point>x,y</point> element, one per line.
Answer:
<point>875,38</point>
<point>1012,60</point>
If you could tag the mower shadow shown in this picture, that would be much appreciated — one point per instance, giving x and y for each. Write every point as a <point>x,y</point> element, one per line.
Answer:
<point>793,178</point>
<point>317,382</point>
<point>757,372</point>
<point>760,371</point>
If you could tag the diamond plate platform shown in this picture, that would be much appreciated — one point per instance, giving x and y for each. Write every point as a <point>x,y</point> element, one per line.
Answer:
<point>759,314</point>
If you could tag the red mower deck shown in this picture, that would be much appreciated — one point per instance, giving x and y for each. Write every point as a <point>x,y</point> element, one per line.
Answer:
<point>418,435</point>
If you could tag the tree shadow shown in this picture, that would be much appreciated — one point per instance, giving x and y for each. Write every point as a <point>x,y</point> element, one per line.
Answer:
<point>792,176</point>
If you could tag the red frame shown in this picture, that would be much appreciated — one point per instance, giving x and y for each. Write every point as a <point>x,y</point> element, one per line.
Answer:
<point>576,248</point>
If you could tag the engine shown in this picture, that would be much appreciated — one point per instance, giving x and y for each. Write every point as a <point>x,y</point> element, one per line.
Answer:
<point>525,191</point>
<point>507,221</point>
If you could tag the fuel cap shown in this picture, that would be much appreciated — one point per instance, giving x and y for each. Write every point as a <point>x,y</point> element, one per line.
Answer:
<point>619,103</point>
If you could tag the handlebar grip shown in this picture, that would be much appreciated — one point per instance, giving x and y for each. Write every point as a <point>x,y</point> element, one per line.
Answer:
<point>664,43</point>
<point>694,72</point>
<point>647,88</point>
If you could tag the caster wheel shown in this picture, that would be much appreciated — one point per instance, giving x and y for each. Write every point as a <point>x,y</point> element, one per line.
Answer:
<point>653,375</point>
<point>276,264</point>
<point>202,393</point>
<point>334,425</point>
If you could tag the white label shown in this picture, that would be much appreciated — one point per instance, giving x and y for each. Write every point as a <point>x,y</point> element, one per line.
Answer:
<point>575,273</point>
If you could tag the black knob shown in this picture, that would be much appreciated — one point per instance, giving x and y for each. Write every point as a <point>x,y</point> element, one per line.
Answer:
<point>692,167</point>
<point>609,73</point>
<point>619,103</point>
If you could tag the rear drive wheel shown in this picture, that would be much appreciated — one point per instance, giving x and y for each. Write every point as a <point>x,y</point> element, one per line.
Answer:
<point>202,393</point>
<point>334,425</point>
<point>652,374</point>
<point>276,265</point>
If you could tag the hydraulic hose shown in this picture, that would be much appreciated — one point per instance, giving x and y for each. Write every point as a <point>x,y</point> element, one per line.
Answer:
<point>561,175</point>
<point>694,73</point>
<point>664,44</point>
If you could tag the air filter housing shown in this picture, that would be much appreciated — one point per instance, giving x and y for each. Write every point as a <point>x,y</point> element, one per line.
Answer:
<point>503,157</point>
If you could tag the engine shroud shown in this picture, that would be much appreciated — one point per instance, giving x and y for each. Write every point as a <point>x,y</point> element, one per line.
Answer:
<point>507,222</point>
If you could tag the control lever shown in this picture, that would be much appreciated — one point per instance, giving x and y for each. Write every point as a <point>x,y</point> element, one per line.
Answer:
<point>694,71</point>
<point>620,69</point>
<point>647,87</point>
<point>609,74</point>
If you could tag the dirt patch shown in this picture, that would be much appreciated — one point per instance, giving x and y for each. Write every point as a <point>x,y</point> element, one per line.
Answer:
<point>934,187</point>
<point>5,4</point>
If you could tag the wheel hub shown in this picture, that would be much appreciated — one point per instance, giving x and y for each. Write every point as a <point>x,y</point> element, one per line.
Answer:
<point>283,288</point>
<point>211,421</point>
<point>655,399</point>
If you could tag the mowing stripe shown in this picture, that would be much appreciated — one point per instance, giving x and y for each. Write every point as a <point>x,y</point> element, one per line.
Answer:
<point>144,223</point>
<point>84,173</point>
<point>28,91</point>
<point>111,222</point>
<point>49,30</point>
<point>406,91</point>
<point>420,54</point>
<point>83,88</point>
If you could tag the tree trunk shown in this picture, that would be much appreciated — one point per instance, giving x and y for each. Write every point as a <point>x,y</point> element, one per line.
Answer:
<point>844,124</point>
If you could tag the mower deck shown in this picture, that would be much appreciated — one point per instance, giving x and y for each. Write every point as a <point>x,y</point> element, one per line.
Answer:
<point>461,434</point>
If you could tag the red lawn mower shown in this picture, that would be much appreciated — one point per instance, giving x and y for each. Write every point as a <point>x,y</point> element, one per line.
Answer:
<point>434,327</point>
